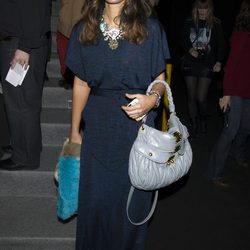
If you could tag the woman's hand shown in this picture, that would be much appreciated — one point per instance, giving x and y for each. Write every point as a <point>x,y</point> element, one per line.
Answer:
<point>217,67</point>
<point>75,137</point>
<point>224,103</point>
<point>145,104</point>
<point>193,52</point>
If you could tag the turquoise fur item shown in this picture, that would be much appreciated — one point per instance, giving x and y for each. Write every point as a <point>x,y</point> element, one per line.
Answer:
<point>68,185</point>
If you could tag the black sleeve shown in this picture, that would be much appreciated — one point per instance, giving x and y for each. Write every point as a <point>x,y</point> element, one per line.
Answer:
<point>34,16</point>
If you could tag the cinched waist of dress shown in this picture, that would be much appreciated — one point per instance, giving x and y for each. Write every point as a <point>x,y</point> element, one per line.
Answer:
<point>112,92</point>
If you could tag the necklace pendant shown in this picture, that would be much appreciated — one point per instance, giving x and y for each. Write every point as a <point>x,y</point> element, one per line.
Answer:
<point>111,35</point>
<point>114,33</point>
<point>113,44</point>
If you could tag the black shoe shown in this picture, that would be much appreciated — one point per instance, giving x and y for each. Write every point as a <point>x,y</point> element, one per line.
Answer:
<point>7,149</point>
<point>6,153</point>
<point>12,166</point>
<point>221,183</point>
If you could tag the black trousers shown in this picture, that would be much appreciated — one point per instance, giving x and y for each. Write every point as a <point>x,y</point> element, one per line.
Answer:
<point>23,103</point>
<point>4,130</point>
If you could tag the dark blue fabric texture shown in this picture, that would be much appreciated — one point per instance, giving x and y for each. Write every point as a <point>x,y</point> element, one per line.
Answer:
<point>102,222</point>
<point>129,66</point>
<point>68,180</point>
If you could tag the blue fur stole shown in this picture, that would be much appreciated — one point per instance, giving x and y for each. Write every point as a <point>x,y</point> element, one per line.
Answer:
<point>68,184</point>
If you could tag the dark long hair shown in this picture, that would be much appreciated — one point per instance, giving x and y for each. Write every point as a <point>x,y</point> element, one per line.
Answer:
<point>133,19</point>
<point>242,21</point>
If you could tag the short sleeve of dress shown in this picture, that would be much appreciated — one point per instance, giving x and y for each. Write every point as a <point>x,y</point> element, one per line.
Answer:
<point>73,58</point>
<point>160,50</point>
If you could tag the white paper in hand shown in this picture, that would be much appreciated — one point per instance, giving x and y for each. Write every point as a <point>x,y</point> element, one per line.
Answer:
<point>16,75</point>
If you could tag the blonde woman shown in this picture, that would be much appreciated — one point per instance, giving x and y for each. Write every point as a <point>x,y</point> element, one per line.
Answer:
<point>204,46</point>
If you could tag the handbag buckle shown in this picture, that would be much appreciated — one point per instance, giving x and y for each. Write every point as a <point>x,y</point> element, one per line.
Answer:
<point>178,136</point>
<point>170,160</point>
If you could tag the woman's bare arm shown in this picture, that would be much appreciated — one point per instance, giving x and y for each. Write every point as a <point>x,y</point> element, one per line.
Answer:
<point>80,96</point>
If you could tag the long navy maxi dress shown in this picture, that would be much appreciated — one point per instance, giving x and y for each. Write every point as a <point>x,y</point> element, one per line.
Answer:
<point>102,222</point>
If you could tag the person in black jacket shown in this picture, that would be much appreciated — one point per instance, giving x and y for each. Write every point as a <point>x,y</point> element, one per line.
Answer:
<point>203,42</point>
<point>24,30</point>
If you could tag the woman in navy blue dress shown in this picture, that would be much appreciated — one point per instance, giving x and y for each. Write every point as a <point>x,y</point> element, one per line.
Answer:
<point>115,52</point>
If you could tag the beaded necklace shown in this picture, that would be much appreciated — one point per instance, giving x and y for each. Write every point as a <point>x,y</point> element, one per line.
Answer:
<point>112,35</point>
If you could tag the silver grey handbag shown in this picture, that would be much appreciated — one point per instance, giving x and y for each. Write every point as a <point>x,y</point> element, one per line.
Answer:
<point>157,159</point>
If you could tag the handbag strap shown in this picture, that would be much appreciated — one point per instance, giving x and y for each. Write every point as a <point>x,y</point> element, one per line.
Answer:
<point>131,192</point>
<point>169,92</point>
<point>132,189</point>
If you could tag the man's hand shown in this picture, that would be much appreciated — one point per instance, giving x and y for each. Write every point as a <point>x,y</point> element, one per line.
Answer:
<point>20,57</point>
<point>224,103</point>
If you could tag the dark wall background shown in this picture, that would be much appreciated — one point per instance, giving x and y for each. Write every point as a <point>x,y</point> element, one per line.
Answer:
<point>172,14</point>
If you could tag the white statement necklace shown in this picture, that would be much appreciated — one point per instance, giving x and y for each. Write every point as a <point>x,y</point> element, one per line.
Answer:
<point>112,35</point>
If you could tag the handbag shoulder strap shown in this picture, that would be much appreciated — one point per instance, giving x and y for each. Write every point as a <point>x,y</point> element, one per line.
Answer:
<point>131,192</point>
<point>169,93</point>
<point>132,189</point>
